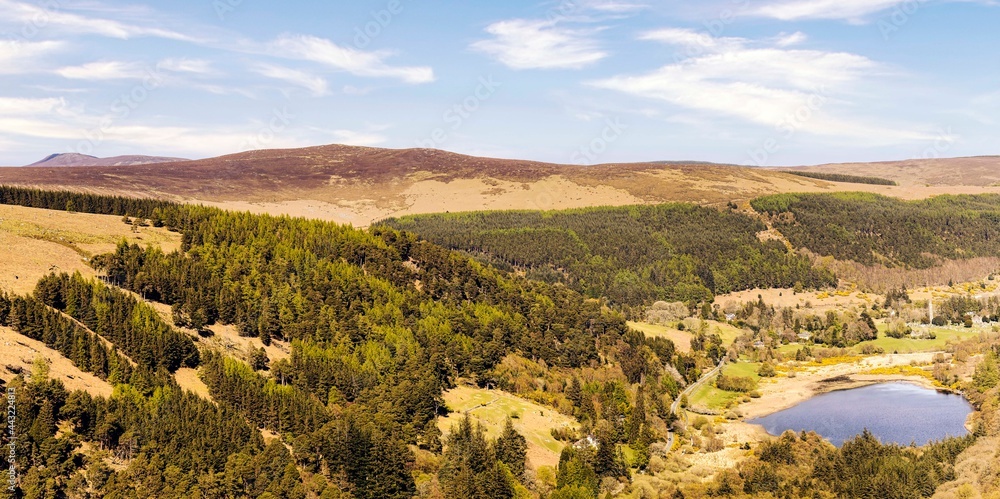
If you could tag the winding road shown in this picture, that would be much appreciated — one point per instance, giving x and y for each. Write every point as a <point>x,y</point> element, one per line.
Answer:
<point>691,388</point>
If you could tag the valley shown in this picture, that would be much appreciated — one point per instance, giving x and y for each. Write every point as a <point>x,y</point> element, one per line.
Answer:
<point>577,249</point>
<point>412,342</point>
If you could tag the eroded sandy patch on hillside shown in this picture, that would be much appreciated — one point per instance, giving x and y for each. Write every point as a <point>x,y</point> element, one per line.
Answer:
<point>20,352</point>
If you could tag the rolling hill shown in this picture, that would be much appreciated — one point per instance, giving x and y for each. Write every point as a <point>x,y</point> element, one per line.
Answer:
<point>75,159</point>
<point>359,185</point>
<point>982,171</point>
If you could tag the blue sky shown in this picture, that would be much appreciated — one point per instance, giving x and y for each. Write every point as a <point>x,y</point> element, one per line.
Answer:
<point>764,82</point>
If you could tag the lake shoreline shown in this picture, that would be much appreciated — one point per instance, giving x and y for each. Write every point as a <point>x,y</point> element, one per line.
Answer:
<point>895,411</point>
<point>785,392</point>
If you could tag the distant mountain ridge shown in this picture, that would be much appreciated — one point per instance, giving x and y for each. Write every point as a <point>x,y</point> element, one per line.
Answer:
<point>979,171</point>
<point>76,159</point>
<point>360,185</point>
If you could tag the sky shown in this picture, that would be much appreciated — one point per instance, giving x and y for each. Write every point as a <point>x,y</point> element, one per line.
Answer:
<point>755,82</point>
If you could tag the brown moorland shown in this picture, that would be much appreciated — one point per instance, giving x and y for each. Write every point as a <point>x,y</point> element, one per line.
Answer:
<point>359,185</point>
<point>981,171</point>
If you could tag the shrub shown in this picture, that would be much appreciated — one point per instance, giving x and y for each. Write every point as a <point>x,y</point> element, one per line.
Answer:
<point>898,329</point>
<point>738,384</point>
<point>714,445</point>
<point>870,349</point>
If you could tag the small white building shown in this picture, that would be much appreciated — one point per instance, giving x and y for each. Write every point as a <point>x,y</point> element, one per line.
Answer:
<point>589,442</point>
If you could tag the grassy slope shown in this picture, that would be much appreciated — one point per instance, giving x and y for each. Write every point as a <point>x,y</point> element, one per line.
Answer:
<point>491,408</point>
<point>682,339</point>
<point>710,397</point>
<point>945,335</point>
<point>19,351</point>
<point>34,243</point>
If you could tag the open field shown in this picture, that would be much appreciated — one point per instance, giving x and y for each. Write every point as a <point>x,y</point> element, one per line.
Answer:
<point>35,242</point>
<point>707,396</point>
<point>681,339</point>
<point>816,300</point>
<point>727,332</point>
<point>491,408</point>
<point>945,335</point>
<point>20,352</point>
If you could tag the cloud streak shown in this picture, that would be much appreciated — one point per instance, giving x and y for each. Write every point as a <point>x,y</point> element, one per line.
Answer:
<point>757,82</point>
<point>350,60</point>
<point>315,84</point>
<point>853,11</point>
<point>103,70</point>
<point>53,19</point>
<point>531,44</point>
<point>24,57</point>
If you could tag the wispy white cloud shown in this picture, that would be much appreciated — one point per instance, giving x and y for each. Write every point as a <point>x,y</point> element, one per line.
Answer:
<point>16,106</point>
<point>854,11</point>
<point>54,120</point>
<point>357,138</point>
<point>29,14</point>
<point>356,62</point>
<point>52,89</point>
<point>129,22</point>
<point>103,70</point>
<point>47,118</point>
<point>593,11</point>
<point>185,65</point>
<point>988,99</point>
<point>533,44</point>
<point>222,89</point>
<point>758,82</point>
<point>695,42</point>
<point>788,40</point>
<point>615,6</point>
<point>353,90</point>
<point>24,57</point>
<point>315,84</point>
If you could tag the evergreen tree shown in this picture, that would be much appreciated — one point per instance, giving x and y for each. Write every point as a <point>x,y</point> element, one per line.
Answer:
<point>511,448</point>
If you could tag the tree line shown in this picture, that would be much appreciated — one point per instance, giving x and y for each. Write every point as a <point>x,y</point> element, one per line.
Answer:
<point>630,255</point>
<point>804,465</point>
<point>876,230</point>
<point>170,444</point>
<point>848,179</point>
<point>133,326</point>
<point>33,319</point>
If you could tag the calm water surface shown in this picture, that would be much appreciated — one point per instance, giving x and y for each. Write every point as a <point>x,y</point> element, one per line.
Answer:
<point>894,412</point>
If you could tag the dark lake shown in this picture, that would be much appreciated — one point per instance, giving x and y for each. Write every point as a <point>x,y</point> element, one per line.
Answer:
<point>894,412</point>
